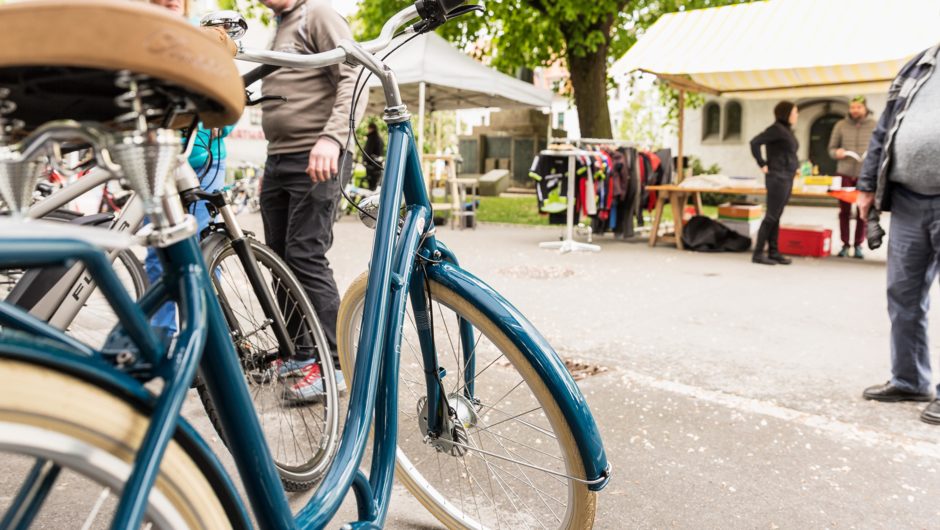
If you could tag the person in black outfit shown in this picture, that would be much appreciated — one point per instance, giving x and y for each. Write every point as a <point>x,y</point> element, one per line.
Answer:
<point>375,148</point>
<point>779,168</point>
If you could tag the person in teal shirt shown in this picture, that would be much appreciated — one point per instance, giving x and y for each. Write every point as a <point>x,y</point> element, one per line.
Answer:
<point>208,160</point>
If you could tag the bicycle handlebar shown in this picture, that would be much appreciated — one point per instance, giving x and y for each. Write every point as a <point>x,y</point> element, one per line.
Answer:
<point>259,73</point>
<point>331,57</point>
<point>432,13</point>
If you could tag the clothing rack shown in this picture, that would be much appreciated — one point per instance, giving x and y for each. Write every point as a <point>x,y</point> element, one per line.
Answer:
<point>568,244</point>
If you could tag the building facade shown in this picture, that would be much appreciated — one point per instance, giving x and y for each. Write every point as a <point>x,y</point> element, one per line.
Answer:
<point>720,131</point>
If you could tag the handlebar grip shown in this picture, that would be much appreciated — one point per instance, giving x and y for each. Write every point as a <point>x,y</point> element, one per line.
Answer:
<point>434,13</point>
<point>259,73</point>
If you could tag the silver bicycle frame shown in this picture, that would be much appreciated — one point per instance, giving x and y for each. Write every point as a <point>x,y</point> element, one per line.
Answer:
<point>65,299</point>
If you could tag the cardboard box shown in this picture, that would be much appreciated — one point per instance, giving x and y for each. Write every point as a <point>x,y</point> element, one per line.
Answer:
<point>817,181</point>
<point>740,212</point>
<point>813,241</point>
<point>745,228</point>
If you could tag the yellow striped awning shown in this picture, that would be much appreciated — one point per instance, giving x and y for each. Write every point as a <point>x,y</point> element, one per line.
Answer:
<point>786,48</point>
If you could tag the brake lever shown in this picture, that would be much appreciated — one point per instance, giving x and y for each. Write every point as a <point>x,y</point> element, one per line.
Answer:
<point>262,99</point>
<point>463,10</point>
<point>436,20</point>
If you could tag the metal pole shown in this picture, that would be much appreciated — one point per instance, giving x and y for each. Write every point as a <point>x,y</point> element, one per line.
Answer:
<point>572,181</point>
<point>422,95</point>
<point>680,165</point>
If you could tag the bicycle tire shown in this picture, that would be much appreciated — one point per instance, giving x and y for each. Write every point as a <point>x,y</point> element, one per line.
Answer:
<point>295,476</point>
<point>81,426</point>
<point>581,507</point>
<point>95,319</point>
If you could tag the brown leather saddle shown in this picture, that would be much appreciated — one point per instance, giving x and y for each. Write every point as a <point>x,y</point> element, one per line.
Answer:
<point>61,59</point>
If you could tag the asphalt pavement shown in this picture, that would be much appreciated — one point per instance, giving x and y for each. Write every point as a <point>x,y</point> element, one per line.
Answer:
<point>732,397</point>
<point>728,394</point>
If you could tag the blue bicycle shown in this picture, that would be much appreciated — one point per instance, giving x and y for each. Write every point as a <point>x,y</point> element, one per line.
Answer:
<point>487,426</point>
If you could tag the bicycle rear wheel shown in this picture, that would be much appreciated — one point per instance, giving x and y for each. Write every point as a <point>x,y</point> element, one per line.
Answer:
<point>302,438</point>
<point>96,318</point>
<point>93,436</point>
<point>510,459</point>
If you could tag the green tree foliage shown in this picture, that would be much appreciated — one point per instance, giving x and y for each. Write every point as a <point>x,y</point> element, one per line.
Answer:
<point>249,9</point>
<point>587,35</point>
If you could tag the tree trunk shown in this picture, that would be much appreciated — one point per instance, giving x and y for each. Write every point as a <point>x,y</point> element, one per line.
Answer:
<point>589,80</point>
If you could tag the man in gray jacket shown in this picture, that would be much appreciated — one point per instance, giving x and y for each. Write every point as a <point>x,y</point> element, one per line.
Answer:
<point>848,144</point>
<point>901,174</point>
<point>306,135</point>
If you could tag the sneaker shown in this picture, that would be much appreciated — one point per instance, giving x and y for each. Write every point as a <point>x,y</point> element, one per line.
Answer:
<point>310,388</point>
<point>844,253</point>
<point>294,368</point>
<point>858,253</point>
<point>283,369</point>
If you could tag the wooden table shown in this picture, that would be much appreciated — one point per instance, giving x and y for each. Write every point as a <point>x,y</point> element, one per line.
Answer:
<point>678,197</point>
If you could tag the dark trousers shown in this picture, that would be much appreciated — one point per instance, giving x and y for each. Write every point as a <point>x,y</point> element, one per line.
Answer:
<point>298,226</point>
<point>373,176</point>
<point>779,189</point>
<point>845,217</point>
<point>913,264</point>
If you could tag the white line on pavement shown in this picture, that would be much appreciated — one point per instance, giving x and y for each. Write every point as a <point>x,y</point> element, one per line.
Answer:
<point>836,429</point>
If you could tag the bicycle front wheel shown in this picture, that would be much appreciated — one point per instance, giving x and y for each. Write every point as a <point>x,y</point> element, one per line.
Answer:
<point>511,459</point>
<point>48,419</point>
<point>302,435</point>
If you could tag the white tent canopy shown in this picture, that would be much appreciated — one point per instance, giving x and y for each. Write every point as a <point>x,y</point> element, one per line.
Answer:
<point>453,80</point>
<point>786,48</point>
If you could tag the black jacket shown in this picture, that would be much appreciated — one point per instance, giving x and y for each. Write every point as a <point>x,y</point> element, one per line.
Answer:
<point>375,147</point>
<point>781,149</point>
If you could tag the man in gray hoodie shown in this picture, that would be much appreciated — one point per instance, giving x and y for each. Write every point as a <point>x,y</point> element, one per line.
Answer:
<point>848,144</point>
<point>306,135</point>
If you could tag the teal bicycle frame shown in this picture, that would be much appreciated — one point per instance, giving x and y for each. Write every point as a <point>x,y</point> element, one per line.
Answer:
<point>403,255</point>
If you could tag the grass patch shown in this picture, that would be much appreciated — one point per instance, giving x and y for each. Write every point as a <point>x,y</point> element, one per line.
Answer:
<point>525,211</point>
<point>515,210</point>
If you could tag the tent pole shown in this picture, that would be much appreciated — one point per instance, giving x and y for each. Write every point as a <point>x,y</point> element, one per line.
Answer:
<point>422,94</point>
<point>680,165</point>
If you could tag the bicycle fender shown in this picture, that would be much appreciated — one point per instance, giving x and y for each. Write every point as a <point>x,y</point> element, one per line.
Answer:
<point>543,358</point>
<point>212,244</point>
<point>57,357</point>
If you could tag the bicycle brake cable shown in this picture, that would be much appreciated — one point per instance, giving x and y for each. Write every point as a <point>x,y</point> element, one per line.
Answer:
<point>357,90</point>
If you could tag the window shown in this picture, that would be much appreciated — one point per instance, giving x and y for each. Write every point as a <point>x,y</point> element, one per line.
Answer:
<point>711,122</point>
<point>732,120</point>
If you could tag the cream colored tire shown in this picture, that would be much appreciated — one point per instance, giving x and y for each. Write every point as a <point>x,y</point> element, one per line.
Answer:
<point>61,413</point>
<point>581,501</point>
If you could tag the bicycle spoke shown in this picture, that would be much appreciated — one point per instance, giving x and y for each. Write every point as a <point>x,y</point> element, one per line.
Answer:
<point>528,481</point>
<point>517,442</point>
<point>105,493</point>
<point>527,424</point>
<point>478,374</point>
<point>32,494</point>
<point>511,390</point>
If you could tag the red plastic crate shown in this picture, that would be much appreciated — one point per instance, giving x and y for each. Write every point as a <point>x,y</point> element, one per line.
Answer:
<point>812,241</point>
